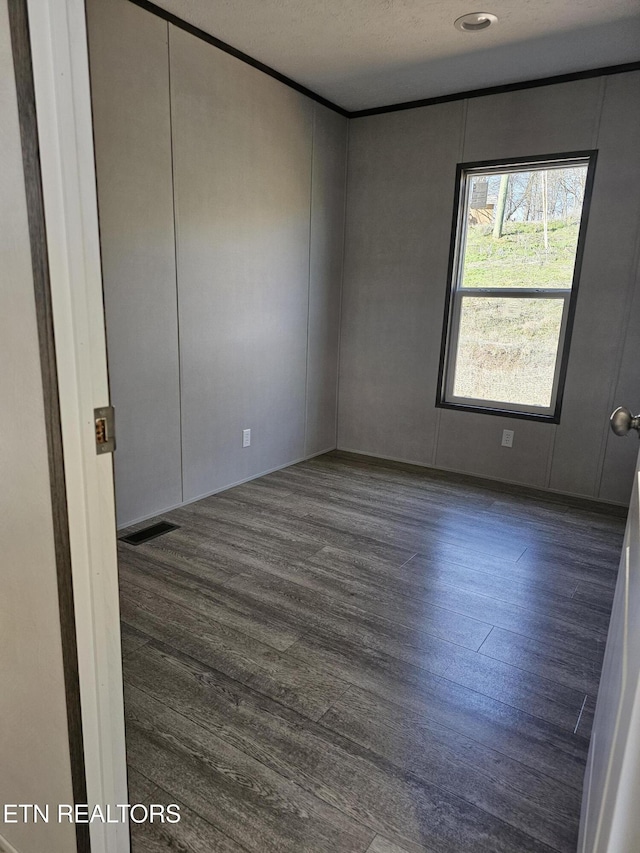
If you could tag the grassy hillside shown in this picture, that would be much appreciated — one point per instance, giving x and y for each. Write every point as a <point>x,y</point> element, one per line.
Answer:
<point>518,258</point>
<point>507,347</point>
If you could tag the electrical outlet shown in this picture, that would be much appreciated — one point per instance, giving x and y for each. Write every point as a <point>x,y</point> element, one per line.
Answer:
<point>246,437</point>
<point>507,438</point>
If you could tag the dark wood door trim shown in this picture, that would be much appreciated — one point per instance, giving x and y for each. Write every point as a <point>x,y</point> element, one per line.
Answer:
<point>21,47</point>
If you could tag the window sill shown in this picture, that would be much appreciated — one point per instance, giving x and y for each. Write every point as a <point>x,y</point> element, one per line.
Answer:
<point>503,413</point>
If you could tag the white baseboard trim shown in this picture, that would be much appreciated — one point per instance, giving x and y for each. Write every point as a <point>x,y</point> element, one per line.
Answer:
<point>222,489</point>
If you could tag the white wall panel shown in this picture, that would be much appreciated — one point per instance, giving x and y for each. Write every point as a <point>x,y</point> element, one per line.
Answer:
<point>399,200</point>
<point>608,273</point>
<point>240,329</point>
<point>242,171</point>
<point>130,91</point>
<point>620,452</point>
<point>328,187</point>
<point>471,442</point>
<point>399,205</point>
<point>546,120</point>
<point>258,182</point>
<point>621,131</point>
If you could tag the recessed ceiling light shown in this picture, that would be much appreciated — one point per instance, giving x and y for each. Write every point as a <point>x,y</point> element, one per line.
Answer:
<point>474,22</point>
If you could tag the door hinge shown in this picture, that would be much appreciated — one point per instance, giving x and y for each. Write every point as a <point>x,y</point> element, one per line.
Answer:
<point>104,419</point>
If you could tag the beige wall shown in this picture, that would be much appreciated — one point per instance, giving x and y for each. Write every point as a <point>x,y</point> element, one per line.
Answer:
<point>401,175</point>
<point>34,751</point>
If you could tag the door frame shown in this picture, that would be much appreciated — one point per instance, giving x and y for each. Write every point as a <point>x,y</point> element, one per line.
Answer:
<point>65,135</point>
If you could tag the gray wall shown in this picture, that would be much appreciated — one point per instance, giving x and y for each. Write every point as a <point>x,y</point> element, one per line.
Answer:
<point>239,328</point>
<point>401,175</point>
<point>233,321</point>
<point>34,746</point>
<point>242,154</point>
<point>328,195</point>
<point>131,115</point>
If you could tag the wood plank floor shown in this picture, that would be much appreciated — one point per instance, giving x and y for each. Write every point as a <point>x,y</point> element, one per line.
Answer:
<point>350,656</point>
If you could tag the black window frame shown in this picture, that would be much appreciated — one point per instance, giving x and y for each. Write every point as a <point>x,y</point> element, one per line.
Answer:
<point>463,170</point>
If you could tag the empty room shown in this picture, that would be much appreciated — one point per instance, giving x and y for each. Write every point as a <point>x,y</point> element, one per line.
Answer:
<point>321,527</point>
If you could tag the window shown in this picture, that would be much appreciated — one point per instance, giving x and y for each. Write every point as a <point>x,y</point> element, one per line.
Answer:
<point>519,228</point>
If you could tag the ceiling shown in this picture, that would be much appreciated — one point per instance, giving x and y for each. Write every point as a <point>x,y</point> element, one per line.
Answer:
<point>368,53</point>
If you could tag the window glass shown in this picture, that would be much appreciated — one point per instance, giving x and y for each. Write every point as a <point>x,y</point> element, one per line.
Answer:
<point>507,349</point>
<point>533,243</point>
<point>515,255</point>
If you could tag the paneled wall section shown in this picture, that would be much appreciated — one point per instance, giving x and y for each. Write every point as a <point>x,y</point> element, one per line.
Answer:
<point>132,129</point>
<point>221,195</point>
<point>222,204</point>
<point>401,176</point>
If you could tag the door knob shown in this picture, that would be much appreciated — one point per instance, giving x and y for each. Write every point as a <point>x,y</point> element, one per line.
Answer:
<point>622,421</point>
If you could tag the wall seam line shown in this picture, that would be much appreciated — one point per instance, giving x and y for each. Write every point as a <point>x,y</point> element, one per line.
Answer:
<point>463,139</point>
<point>310,232</point>
<point>552,447</point>
<point>603,439</point>
<point>347,145</point>
<point>175,259</point>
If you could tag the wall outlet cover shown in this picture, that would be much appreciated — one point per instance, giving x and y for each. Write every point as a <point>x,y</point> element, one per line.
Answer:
<point>507,438</point>
<point>246,437</point>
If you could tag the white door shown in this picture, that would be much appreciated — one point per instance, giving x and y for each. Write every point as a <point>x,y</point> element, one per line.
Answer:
<point>611,802</point>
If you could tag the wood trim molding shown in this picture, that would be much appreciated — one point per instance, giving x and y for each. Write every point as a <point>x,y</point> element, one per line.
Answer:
<point>21,48</point>
<point>499,90</point>
<point>387,108</point>
<point>244,57</point>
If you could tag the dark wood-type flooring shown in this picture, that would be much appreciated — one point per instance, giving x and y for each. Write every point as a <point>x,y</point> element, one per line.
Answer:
<point>349,656</point>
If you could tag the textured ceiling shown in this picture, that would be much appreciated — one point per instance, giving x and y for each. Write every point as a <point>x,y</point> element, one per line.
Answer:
<point>365,53</point>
